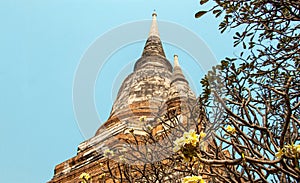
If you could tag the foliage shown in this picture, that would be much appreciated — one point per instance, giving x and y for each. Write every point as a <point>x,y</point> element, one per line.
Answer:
<point>258,91</point>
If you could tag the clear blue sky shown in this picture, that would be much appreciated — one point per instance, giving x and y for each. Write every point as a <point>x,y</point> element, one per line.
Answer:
<point>41,44</point>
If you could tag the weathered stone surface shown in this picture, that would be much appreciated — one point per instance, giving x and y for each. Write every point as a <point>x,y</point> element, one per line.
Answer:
<point>153,89</point>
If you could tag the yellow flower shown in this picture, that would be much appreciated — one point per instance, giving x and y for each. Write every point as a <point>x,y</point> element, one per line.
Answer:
<point>297,147</point>
<point>230,129</point>
<point>187,140</point>
<point>292,150</point>
<point>202,135</point>
<point>143,118</point>
<point>85,177</point>
<point>279,153</point>
<point>193,179</point>
<point>188,158</point>
<point>122,158</point>
<point>102,176</point>
<point>178,144</point>
<point>149,127</point>
<point>191,138</point>
<point>108,152</point>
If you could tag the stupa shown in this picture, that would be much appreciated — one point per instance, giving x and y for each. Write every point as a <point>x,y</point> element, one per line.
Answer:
<point>153,89</point>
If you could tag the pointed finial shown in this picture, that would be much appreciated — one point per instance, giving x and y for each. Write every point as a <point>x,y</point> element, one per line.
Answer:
<point>176,63</point>
<point>154,27</point>
<point>154,13</point>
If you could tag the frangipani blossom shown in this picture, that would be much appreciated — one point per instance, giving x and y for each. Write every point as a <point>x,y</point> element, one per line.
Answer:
<point>230,129</point>
<point>193,179</point>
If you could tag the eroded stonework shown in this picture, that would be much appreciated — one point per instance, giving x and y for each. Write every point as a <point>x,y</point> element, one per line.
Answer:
<point>154,88</point>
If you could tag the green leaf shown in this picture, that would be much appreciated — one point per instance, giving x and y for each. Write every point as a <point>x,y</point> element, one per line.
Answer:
<point>218,14</point>
<point>241,54</point>
<point>203,1</point>
<point>216,11</point>
<point>244,45</point>
<point>200,13</point>
<point>224,63</point>
<point>236,43</point>
<point>223,30</point>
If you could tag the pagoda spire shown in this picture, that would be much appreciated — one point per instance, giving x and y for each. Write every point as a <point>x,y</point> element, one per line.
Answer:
<point>177,72</point>
<point>152,91</point>
<point>176,63</point>
<point>153,46</point>
<point>154,27</point>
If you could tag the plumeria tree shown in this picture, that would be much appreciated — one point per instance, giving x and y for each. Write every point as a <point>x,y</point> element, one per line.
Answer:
<point>252,101</point>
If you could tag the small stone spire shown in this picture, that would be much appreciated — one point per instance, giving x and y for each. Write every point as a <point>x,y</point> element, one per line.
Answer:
<point>177,72</point>
<point>154,26</point>
<point>176,63</point>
